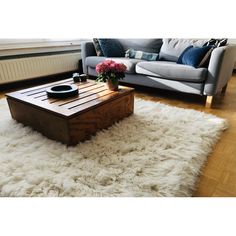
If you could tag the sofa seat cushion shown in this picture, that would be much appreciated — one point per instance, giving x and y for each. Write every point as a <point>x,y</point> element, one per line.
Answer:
<point>130,63</point>
<point>171,70</point>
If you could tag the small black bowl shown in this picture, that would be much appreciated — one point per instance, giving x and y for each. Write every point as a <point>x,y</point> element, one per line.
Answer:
<point>62,91</point>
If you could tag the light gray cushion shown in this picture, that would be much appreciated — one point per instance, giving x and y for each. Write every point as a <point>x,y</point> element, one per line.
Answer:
<point>130,63</point>
<point>145,45</point>
<point>171,70</point>
<point>171,49</point>
<point>154,82</point>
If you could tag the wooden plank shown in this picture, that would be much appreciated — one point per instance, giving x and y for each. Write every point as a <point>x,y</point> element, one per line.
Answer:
<point>81,96</point>
<point>23,91</point>
<point>43,96</point>
<point>41,105</point>
<point>86,99</point>
<point>94,103</point>
<point>83,126</point>
<point>45,86</point>
<point>48,124</point>
<point>42,91</point>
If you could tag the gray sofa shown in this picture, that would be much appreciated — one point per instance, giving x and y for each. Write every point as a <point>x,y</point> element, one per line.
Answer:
<point>167,74</point>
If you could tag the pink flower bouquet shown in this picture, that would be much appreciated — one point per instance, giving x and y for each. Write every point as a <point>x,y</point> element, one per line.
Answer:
<point>110,70</point>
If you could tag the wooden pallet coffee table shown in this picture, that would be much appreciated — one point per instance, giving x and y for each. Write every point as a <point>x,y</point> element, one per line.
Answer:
<point>73,119</point>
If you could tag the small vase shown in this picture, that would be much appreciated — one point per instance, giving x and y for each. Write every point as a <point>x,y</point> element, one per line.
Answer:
<point>111,86</point>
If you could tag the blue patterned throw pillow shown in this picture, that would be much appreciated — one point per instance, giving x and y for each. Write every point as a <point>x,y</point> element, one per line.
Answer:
<point>111,48</point>
<point>131,53</point>
<point>193,56</point>
<point>97,47</point>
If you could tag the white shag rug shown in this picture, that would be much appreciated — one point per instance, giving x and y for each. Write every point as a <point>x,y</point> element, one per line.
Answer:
<point>158,151</point>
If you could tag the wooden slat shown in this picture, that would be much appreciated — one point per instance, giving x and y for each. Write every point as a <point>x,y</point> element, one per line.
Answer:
<point>80,96</point>
<point>24,91</point>
<point>41,105</point>
<point>95,96</point>
<point>81,91</point>
<point>42,92</point>
<point>101,100</point>
<point>44,96</point>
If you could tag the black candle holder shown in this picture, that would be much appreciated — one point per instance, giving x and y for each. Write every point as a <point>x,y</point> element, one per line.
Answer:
<point>76,77</point>
<point>79,78</point>
<point>83,77</point>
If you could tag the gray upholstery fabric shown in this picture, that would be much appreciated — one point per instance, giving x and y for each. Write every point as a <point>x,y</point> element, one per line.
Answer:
<point>94,60</point>
<point>92,71</point>
<point>130,63</point>
<point>219,72</point>
<point>171,70</point>
<point>154,82</point>
<point>145,45</point>
<point>87,49</point>
<point>171,49</point>
<point>220,68</point>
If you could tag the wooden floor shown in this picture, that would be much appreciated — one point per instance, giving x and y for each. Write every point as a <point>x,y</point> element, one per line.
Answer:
<point>218,177</point>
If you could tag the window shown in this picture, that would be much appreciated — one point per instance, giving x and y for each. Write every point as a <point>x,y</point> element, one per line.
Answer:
<point>11,47</point>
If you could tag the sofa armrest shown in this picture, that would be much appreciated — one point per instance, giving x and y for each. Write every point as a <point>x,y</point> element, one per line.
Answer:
<point>220,69</point>
<point>87,49</point>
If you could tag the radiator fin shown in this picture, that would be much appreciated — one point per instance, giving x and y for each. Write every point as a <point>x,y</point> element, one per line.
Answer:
<point>33,67</point>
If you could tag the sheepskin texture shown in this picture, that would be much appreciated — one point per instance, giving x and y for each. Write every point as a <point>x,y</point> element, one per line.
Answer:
<point>158,151</point>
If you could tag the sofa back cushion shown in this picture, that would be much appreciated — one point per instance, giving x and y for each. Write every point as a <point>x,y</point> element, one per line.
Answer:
<point>146,45</point>
<point>193,56</point>
<point>111,48</point>
<point>172,48</point>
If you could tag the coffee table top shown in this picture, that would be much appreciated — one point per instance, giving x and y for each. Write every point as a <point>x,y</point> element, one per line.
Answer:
<point>91,94</point>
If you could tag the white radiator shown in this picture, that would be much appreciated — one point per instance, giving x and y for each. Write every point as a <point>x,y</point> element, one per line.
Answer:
<point>33,67</point>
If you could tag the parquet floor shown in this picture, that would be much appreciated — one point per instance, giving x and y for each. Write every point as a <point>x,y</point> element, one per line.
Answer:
<point>218,177</point>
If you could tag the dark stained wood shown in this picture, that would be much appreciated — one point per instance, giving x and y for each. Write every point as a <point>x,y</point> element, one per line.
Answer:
<point>97,96</point>
<point>41,93</point>
<point>82,94</point>
<point>73,119</point>
<point>45,86</point>
<point>82,89</point>
<point>52,126</point>
<point>87,124</point>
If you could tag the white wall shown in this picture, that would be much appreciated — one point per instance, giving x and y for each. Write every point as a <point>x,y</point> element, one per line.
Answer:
<point>232,41</point>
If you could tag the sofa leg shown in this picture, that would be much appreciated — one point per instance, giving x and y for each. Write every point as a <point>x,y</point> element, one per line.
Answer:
<point>224,89</point>
<point>209,100</point>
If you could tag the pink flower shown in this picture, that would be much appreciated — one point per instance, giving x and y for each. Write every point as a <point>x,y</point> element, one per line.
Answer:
<point>110,66</point>
<point>108,62</point>
<point>120,67</point>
